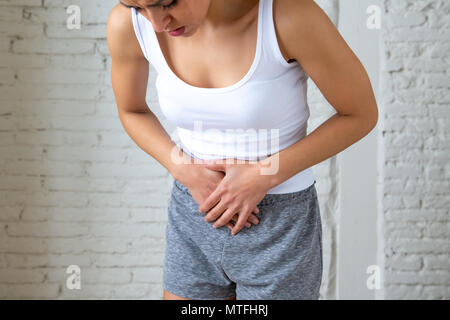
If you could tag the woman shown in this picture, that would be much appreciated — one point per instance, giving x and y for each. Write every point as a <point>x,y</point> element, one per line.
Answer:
<point>225,65</point>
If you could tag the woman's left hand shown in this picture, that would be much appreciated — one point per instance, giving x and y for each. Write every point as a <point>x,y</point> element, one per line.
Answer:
<point>239,192</point>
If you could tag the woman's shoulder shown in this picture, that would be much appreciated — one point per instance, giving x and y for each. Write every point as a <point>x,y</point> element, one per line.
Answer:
<point>290,15</point>
<point>300,25</point>
<point>120,18</point>
<point>120,34</point>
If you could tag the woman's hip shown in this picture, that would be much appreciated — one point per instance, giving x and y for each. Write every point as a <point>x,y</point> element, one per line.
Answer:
<point>280,215</point>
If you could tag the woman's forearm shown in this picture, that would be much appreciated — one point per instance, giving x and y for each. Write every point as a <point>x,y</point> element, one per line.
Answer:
<point>331,137</point>
<point>148,133</point>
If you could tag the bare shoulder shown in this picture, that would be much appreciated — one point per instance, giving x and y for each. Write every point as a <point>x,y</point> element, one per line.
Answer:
<point>298,23</point>
<point>122,41</point>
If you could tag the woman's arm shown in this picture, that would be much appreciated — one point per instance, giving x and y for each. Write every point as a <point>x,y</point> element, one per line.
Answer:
<point>129,76</point>
<point>308,35</point>
<point>305,33</point>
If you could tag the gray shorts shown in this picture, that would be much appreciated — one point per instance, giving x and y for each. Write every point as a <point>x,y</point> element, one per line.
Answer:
<point>278,259</point>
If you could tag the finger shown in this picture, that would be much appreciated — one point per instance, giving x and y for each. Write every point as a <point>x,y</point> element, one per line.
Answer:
<point>225,218</point>
<point>210,202</point>
<point>247,224</point>
<point>253,219</point>
<point>215,212</point>
<point>230,225</point>
<point>243,216</point>
<point>256,210</point>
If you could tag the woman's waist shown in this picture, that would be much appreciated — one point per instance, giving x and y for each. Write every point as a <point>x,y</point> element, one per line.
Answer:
<point>237,147</point>
<point>295,183</point>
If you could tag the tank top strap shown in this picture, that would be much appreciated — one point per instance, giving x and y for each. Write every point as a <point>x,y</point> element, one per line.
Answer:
<point>270,44</point>
<point>147,40</point>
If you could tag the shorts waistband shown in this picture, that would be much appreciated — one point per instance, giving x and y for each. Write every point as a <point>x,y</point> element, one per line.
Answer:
<point>270,198</point>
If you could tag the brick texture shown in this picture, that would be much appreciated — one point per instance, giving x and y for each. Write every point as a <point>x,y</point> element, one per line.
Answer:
<point>76,190</point>
<point>415,104</point>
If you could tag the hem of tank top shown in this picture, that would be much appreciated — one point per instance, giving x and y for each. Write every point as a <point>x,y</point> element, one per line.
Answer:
<point>204,156</point>
<point>269,191</point>
<point>213,157</point>
<point>193,155</point>
<point>291,191</point>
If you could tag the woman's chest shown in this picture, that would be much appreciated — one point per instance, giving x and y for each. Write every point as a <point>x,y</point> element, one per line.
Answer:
<point>257,104</point>
<point>217,61</point>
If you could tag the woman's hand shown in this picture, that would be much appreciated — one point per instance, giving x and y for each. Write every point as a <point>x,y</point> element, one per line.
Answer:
<point>201,182</point>
<point>242,188</point>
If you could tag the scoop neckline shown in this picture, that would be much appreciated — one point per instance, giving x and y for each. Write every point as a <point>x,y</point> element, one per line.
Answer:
<point>214,90</point>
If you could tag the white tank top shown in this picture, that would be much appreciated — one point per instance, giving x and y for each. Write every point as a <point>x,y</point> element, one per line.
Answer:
<point>262,114</point>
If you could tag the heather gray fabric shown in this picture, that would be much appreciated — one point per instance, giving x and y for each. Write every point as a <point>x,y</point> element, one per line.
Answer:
<point>278,259</point>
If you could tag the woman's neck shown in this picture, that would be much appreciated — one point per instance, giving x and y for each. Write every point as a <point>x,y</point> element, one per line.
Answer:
<point>223,13</point>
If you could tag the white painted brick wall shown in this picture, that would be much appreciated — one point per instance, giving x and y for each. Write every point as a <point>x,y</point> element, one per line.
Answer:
<point>326,174</point>
<point>74,188</point>
<point>415,103</point>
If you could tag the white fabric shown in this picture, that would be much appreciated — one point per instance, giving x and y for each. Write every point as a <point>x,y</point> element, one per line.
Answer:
<point>263,113</point>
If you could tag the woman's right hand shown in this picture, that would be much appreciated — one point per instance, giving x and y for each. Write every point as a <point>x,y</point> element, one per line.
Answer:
<point>202,181</point>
